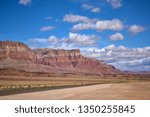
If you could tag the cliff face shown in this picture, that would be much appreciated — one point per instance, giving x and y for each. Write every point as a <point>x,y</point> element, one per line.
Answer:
<point>58,58</point>
<point>63,59</point>
<point>15,50</point>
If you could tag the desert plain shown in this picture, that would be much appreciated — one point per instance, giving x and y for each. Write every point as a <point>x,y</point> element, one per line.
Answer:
<point>73,88</point>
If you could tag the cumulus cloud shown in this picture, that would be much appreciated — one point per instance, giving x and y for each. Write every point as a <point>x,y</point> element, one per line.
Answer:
<point>53,39</point>
<point>81,40</point>
<point>74,40</point>
<point>87,6</point>
<point>114,24</point>
<point>134,29</point>
<point>25,2</point>
<point>85,23</point>
<point>75,18</point>
<point>47,28</point>
<point>100,25</point>
<point>115,3</point>
<point>116,36</point>
<point>96,10</point>
<point>134,59</point>
<point>135,65</point>
<point>83,26</point>
<point>91,8</point>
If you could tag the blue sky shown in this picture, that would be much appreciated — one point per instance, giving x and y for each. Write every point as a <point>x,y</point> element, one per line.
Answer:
<point>116,31</point>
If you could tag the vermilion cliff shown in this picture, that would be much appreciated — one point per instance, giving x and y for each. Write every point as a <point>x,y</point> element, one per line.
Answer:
<point>49,60</point>
<point>15,50</point>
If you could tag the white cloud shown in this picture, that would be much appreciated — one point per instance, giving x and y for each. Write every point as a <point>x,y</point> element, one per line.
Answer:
<point>91,8</point>
<point>87,6</point>
<point>53,39</point>
<point>100,25</point>
<point>114,24</point>
<point>110,47</point>
<point>85,23</point>
<point>25,2</point>
<point>47,28</point>
<point>115,3</point>
<point>74,40</point>
<point>83,39</point>
<point>116,36</point>
<point>135,65</point>
<point>75,18</point>
<point>83,26</point>
<point>134,29</point>
<point>135,59</point>
<point>96,10</point>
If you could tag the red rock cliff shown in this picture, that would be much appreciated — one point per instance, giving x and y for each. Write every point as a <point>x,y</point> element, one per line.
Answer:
<point>66,59</point>
<point>58,58</point>
<point>15,50</point>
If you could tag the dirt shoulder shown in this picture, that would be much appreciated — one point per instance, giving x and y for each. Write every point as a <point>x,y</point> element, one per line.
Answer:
<point>118,91</point>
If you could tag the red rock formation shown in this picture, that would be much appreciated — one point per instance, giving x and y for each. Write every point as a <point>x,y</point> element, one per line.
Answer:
<point>58,58</point>
<point>64,59</point>
<point>15,50</point>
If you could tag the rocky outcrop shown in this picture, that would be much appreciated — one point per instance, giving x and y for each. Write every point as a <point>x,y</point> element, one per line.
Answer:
<point>15,50</point>
<point>71,59</point>
<point>63,59</point>
<point>58,58</point>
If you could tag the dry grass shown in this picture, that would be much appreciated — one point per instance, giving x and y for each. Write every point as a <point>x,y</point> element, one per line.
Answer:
<point>20,84</point>
<point>112,91</point>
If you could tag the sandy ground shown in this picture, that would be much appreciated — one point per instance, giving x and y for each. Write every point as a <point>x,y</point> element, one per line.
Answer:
<point>124,91</point>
